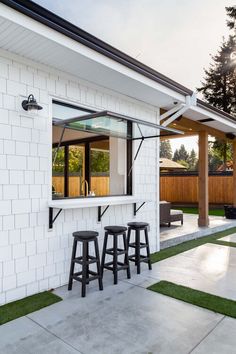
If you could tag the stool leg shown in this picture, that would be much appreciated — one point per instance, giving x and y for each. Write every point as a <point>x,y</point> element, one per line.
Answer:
<point>84,269</point>
<point>148,249</point>
<point>115,258</point>
<point>104,252</point>
<point>126,260</point>
<point>87,267</point>
<point>137,250</point>
<point>72,264</point>
<point>98,265</point>
<point>128,237</point>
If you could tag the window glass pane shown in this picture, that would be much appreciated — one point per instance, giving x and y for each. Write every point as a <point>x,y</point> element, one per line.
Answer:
<point>99,167</point>
<point>102,125</point>
<point>76,170</point>
<point>58,168</point>
<point>60,111</point>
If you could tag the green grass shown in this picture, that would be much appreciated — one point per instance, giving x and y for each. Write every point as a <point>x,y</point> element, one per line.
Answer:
<point>27,305</point>
<point>195,297</point>
<point>225,243</point>
<point>188,245</point>
<point>216,212</point>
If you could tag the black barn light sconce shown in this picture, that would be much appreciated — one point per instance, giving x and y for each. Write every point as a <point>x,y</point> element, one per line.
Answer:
<point>31,104</point>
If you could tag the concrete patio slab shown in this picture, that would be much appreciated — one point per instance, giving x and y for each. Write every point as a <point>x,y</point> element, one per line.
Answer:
<point>129,319</point>
<point>220,341</point>
<point>210,268</point>
<point>176,233</point>
<point>229,238</point>
<point>23,336</point>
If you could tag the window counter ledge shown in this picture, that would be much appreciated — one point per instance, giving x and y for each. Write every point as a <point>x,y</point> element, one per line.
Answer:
<point>90,202</point>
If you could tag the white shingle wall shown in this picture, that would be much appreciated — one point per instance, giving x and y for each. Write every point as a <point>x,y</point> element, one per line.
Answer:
<point>33,259</point>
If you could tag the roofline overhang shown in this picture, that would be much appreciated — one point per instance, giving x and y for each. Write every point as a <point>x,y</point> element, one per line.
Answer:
<point>57,23</point>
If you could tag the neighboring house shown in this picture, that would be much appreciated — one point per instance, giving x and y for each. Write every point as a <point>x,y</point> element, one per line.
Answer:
<point>167,165</point>
<point>228,166</point>
<point>71,74</point>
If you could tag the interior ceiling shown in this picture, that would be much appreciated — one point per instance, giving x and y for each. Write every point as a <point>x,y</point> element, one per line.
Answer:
<point>69,134</point>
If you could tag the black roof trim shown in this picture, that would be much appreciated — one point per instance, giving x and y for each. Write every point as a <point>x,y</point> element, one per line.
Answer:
<point>213,109</point>
<point>48,18</point>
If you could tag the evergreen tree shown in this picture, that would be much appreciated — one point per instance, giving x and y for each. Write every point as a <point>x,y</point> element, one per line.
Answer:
<point>183,154</point>
<point>219,86</point>
<point>192,160</point>
<point>231,13</point>
<point>165,149</point>
<point>176,155</point>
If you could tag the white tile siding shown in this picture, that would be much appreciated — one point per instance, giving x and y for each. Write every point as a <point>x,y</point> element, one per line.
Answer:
<point>32,258</point>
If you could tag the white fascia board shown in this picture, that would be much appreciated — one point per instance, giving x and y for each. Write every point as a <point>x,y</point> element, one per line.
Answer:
<point>50,34</point>
<point>211,114</point>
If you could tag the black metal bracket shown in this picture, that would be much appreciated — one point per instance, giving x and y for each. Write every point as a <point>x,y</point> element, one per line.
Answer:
<point>137,209</point>
<point>100,213</point>
<point>51,218</point>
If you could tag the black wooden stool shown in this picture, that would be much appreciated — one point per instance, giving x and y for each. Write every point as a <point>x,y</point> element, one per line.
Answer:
<point>115,265</point>
<point>85,260</point>
<point>137,245</point>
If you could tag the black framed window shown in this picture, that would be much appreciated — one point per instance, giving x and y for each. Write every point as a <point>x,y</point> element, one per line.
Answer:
<point>87,163</point>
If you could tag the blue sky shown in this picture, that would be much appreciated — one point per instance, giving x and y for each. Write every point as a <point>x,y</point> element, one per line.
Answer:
<point>176,37</point>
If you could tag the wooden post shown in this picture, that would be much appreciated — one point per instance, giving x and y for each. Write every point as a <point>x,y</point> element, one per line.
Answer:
<point>203,219</point>
<point>234,173</point>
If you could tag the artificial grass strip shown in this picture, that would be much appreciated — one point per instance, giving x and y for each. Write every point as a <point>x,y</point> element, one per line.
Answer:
<point>27,305</point>
<point>190,210</point>
<point>195,297</point>
<point>188,245</point>
<point>224,243</point>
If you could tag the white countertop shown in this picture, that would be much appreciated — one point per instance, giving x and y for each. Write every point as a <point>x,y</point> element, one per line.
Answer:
<point>90,202</point>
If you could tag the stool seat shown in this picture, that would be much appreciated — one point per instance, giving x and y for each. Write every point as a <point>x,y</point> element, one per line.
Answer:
<point>115,229</point>
<point>138,225</point>
<point>85,235</point>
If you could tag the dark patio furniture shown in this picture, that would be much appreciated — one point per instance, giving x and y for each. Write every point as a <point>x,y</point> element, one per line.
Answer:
<point>86,275</point>
<point>168,215</point>
<point>138,245</point>
<point>115,265</point>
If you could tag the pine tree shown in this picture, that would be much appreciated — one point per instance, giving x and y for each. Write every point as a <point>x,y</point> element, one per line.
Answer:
<point>165,149</point>
<point>219,85</point>
<point>176,155</point>
<point>192,160</point>
<point>231,13</point>
<point>219,88</point>
<point>183,154</point>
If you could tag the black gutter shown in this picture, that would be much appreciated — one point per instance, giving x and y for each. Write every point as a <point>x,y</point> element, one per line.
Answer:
<point>48,18</point>
<point>211,108</point>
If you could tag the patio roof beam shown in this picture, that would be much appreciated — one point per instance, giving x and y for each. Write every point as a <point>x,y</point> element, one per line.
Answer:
<point>234,173</point>
<point>203,199</point>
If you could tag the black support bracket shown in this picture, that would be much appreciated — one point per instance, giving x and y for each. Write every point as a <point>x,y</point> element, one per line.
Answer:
<point>100,213</point>
<point>51,218</point>
<point>137,209</point>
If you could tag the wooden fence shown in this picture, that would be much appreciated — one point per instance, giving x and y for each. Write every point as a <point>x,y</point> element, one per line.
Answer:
<point>184,189</point>
<point>99,184</point>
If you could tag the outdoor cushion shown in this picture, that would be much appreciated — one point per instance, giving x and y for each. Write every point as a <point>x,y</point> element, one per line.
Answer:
<point>175,212</point>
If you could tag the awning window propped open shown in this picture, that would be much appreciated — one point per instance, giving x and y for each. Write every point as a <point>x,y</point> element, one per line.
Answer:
<point>116,125</point>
